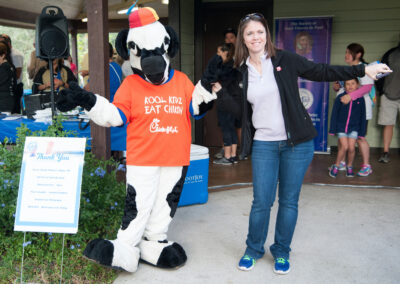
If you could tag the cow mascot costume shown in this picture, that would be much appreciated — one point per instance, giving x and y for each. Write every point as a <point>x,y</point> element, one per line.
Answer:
<point>157,102</point>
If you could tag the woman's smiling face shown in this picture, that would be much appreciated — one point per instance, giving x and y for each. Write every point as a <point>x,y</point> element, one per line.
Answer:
<point>255,37</point>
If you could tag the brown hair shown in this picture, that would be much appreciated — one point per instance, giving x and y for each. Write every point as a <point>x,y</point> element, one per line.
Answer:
<point>60,63</point>
<point>355,48</point>
<point>228,47</point>
<point>355,79</point>
<point>3,48</point>
<point>241,52</point>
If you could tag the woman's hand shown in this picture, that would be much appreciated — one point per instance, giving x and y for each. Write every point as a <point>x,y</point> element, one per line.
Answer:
<point>84,73</point>
<point>375,69</point>
<point>216,87</point>
<point>345,99</point>
<point>58,83</point>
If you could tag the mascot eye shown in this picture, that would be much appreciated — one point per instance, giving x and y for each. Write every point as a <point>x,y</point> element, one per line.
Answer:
<point>165,46</point>
<point>135,48</point>
<point>166,41</point>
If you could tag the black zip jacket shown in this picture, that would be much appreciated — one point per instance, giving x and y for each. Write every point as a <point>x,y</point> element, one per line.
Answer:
<point>230,95</point>
<point>288,67</point>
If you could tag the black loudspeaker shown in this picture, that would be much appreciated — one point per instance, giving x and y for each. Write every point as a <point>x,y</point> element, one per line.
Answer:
<point>52,34</point>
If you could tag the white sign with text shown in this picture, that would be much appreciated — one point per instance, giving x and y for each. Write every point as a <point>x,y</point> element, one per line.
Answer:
<point>50,185</point>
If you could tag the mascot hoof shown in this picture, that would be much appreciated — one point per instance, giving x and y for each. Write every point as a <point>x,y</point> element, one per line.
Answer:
<point>162,254</point>
<point>113,254</point>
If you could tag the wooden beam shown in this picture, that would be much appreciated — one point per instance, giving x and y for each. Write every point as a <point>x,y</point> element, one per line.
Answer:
<point>198,63</point>
<point>114,25</point>
<point>125,4</point>
<point>17,16</point>
<point>99,75</point>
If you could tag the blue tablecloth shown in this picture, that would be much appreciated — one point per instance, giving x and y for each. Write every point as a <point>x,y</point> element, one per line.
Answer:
<point>8,128</point>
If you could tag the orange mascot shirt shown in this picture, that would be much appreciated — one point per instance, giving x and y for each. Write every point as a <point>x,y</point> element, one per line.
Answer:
<point>159,130</point>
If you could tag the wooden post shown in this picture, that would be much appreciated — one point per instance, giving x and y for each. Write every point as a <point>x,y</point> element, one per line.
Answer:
<point>198,63</point>
<point>99,76</point>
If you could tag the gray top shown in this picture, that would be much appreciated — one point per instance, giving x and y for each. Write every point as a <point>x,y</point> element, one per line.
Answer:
<point>263,95</point>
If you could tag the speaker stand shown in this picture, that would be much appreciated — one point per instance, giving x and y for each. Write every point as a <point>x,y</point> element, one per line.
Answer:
<point>53,109</point>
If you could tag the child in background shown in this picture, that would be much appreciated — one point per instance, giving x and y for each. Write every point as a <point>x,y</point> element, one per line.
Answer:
<point>349,122</point>
<point>355,56</point>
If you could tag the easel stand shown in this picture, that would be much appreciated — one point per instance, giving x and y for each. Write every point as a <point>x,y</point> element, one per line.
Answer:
<point>22,260</point>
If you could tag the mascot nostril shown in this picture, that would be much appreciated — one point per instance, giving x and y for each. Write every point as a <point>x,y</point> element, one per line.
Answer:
<point>153,68</point>
<point>157,145</point>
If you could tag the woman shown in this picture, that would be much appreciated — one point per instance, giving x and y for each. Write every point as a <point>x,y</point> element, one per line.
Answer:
<point>62,77</point>
<point>354,56</point>
<point>8,79</point>
<point>228,80</point>
<point>282,145</point>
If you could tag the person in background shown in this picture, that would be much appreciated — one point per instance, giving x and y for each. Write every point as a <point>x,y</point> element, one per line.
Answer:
<point>348,122</point>
<point>228,80</point>
<point>389,88</point>
<point>119,59</point>
<point>84,71</point>
<point>72,65</point>
<point>115,82</point>
<point>115,73</point>
<point>355,56</point>
<point>8,79</point>
<point>230,36</point>
<point>35,64</point>
<point>18,61</point>
<point>278,131</point>
<point>62,78</point>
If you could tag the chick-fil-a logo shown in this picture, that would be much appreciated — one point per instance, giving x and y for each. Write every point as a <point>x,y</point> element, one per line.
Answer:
<point>154,127</point>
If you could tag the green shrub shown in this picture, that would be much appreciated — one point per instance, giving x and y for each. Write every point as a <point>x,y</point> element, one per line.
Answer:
<point>101,209</point>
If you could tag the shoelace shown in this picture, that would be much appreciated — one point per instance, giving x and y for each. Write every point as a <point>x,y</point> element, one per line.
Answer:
<point>365,168</point>
<point>281,260</point>
<point>246,257</point>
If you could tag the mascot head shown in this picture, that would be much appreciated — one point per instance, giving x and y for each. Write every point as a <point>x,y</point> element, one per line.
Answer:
<point>148,45</point>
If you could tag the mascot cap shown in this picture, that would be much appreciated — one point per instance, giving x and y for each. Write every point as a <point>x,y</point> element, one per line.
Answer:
<point>142,17</point>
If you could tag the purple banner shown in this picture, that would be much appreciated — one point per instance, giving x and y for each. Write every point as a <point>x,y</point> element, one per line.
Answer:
<point>311,38</point>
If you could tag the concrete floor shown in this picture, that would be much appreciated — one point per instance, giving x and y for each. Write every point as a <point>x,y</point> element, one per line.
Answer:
<point>343,235</point>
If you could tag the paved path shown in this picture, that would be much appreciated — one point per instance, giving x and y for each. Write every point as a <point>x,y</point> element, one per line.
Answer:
<point>343,235</point>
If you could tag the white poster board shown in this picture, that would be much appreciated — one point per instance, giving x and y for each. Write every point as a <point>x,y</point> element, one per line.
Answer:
<point>50,185</point>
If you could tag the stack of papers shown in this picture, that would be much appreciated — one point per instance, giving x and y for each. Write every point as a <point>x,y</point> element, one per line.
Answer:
<point>43,115</point>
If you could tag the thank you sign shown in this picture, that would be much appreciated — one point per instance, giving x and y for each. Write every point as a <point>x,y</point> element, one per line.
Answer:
<point>50,185</point>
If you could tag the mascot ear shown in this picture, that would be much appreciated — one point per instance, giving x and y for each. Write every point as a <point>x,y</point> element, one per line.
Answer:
<point>120,44</point>
<point>174,43</point>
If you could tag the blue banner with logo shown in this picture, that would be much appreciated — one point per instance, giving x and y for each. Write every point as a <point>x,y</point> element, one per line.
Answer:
<point>310,37</point>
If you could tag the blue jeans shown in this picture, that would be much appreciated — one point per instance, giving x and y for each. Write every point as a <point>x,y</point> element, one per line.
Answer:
<point>273,161</point>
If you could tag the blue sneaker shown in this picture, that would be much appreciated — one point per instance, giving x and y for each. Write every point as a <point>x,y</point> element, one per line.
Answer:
<point>333,171</point>
<point>341,167</point>
<point>282,266</point>
<point>349,172</point>
<point>246,263</point>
